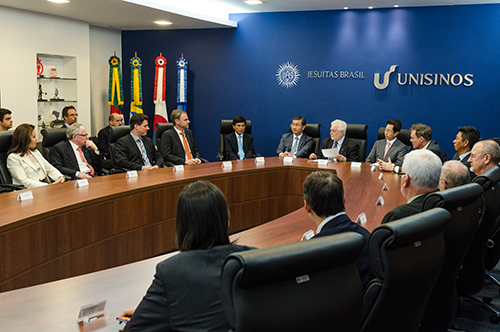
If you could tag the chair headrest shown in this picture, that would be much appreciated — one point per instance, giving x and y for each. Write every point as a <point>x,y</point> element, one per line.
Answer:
<point>5,140</point>
<point>226,127</point>
<point>162,127</point>
<point>412,229</point>
<point>53,136</point>
<point>117,132</point>
<point>356,131</point>
<point>488,179</point>
<point>298,258</point>
<point>453,198</point>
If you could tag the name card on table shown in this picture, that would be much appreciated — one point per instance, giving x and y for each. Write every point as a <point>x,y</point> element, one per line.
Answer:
<point>380,201</point>
<point>323,162</point>
<point>25,196</point>
<point>355,165</point>
<point>373,168</point>
<point>259,160</point>
<point>93,311</point>
<point>288,159</point>
<point>227,164</point>
<point>179,168</point>
<point>381,176</point>
<point>385,187</point>
<point>81,183</point>
<point>307,235</point>
<point>361,219</point>
<point>131,174</point>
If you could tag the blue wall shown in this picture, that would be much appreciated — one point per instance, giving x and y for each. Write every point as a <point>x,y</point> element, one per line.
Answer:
<point>233,71</point>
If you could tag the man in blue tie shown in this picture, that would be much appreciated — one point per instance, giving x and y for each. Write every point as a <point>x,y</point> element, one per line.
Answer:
<point>137,151</point>
<point>238,146</point>
<point>295,144</point>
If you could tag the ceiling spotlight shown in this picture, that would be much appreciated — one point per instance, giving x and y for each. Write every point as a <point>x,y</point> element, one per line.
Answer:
<point>253,2</point>
<point>396,6</point>
<point>58,1</point>
<point>371,7</point>
<point>346,8</point>
<point>163,22</point>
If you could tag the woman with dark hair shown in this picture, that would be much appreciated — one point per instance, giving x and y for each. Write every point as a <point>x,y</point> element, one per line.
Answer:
<point>185,293</point>
<point>26,164</point>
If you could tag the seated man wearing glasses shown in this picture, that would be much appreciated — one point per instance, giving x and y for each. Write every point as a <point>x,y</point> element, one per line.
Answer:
<point>77,157</point>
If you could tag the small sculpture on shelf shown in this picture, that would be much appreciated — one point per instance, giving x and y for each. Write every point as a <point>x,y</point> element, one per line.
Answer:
<point>57,122</point>
<point>56,96</point>
<point>41,93</point>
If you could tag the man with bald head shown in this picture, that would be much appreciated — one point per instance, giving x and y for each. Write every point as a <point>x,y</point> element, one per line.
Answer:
<point>453,174</point>
<point>484,156</point>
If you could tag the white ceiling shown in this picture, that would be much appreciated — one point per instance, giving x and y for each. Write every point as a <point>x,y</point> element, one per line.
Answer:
<point>194,14</point>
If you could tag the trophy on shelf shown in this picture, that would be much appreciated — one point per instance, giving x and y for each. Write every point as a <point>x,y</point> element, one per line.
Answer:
<point>57,122</point>
<point>41,93</point>
<point>56,96</point>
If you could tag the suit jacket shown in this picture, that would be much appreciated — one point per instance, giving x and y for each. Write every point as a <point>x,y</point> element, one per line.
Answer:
<point>185,293</point>
<point>434,147</point>
<point>171,147</point>
<point>63,158</point>
<point>342,224</point>
<point>396,152</point>
<point>129,156</point>
<point>24,172</point>
<point>349,148</point>
<point>405,210</point>
<point>231,146</point>
<point>303,150</point>
<point>103,141</point>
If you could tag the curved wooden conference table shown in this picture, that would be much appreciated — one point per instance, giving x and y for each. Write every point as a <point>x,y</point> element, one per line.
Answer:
<point>66,231</point>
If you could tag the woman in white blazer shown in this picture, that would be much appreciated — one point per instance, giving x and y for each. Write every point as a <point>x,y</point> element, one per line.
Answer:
<point>26,164</point>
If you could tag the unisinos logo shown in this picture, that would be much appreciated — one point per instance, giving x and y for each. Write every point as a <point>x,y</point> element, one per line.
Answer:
<point>423,79</point>
<point>288,75</point>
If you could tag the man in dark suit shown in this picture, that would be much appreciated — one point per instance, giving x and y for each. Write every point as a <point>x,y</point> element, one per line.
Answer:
<point>422,170</point>
<point>70,115</point>
<point>389,152</point>
<point>295,144</point>
<point>177,144</point>
<point>324,202</point>
<point>464,141</point>
<point>348,149</point>
<point>77,157</point>
<point>238,146</point>
<point>115,119</point>
<point>136,151</point>
<point>421,138</point>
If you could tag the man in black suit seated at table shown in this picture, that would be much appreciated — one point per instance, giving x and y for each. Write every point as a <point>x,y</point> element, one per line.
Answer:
<point>70,115</point>
<point>136,151</point>
<point>77,157</point>
<point>324,202</point>
<point>238,146</point>
<point>295,144</point>
<point>389,152</point>
<point>421,138</point>
<point>453,174</point>
<point>464,141</point>
<point>422,170</point>
<point>115,119</point>
<point>348,149</point>
<point>177,144</point>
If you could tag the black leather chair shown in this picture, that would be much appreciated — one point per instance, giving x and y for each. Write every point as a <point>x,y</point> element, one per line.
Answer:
<point>160,129</point>
<point>406,256</point>
<point>51,137</point>
<point>403,136</point>
<point>5,178</point>
<point>357,132</point>
<point>462,203</point>
<point>313,130</point>
<point>302,286</point>
<point>472,274</point>
<point>116,133</point>
<point>492,253</point>
<point>226,127</point>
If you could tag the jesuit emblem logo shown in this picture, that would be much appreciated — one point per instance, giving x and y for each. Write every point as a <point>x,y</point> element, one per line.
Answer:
<point>288,75</point>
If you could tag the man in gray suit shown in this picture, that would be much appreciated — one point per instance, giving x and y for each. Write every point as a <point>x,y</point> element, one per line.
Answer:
<point>295,144</point>
<point>389,152</point>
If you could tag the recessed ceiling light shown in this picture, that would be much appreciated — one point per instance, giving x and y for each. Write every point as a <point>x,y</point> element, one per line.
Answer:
<point>370,7</point>
<point>396,6</point>
<point>253,2</point>
<point>58,1</point>
<point>346,7</point>
<point>163,22</point>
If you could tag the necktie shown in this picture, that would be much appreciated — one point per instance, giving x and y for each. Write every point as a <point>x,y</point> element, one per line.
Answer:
<point>386,149</point>
<point>143,152</point>
<point>85,161</point>
<point>294,146</point>
<point>240,148</point>
<point>335,144</point>
<point>186,146</point>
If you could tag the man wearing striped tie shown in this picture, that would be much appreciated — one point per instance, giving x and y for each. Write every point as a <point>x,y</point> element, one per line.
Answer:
<point>238,146</point>
<point>389,152</point>
<point>137,151</point>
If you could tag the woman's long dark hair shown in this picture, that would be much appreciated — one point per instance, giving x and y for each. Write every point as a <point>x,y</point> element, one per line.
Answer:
<point>21,139</point>
<point>202,217</point>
